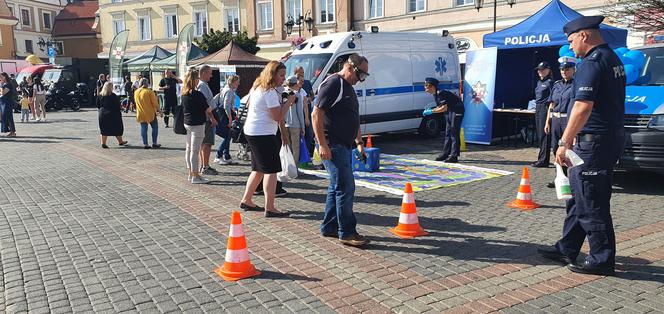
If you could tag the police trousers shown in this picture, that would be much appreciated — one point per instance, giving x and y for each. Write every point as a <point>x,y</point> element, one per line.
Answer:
<point>557,129</point>
<point>543,139</point>
<point>589,211</point>
<point>452,139</point>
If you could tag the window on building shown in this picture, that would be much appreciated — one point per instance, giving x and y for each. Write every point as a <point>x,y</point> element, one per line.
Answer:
<point>294,9</point>
<point>416,5</point>
<point>464,2</point>
<point>59,48</point>
<point>171,25</point>
<point>25,17</point>
<point>326,11</point>
<point>144,32</point>
<point>116,1</point>
<point>47,19</point>
<point>200,23</point>
<point>118,25</point>
<point>264,9</point>
<point>11,10</point>
<point>233,20</point>
<point>375,8</point>
<point>28,46</point>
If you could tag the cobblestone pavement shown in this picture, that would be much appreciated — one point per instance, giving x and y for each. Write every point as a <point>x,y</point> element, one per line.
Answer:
<point>84,229</point>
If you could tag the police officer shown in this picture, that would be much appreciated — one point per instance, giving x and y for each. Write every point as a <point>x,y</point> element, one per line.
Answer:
<point>561,98</point>
<point>452,107</point>
<point>596,123</point>
<point>542,93</point>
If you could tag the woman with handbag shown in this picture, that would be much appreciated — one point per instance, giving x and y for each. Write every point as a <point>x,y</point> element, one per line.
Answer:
<point>195,112</point>
<point>224,102</point>
<point>266,112</point>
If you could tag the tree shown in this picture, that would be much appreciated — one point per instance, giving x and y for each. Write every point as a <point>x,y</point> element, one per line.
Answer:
<point>640,15</point>
<point>215,40</point>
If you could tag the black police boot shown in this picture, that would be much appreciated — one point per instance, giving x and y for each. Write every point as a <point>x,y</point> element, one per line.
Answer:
<point>586,268</point>
<point>553,254</point>
<point>550,185</point>
<point>441,157</point>
<point>452,159</point>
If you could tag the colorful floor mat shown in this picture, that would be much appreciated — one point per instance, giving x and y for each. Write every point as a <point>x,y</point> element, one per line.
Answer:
<point>395,171</point>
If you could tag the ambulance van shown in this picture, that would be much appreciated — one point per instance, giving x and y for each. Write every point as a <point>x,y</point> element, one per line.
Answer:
<point>392,98</point>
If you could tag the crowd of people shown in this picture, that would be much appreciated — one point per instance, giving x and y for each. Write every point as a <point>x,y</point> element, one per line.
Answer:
<point>29,94</point>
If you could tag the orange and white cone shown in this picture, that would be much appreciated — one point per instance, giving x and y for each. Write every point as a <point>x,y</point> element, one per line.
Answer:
<point>409,225</point>
<point>237,265</point>
<point>369,144</point>
<point>524,198</point>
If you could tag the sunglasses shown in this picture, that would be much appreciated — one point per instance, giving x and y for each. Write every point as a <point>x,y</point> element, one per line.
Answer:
<point>361,75</point>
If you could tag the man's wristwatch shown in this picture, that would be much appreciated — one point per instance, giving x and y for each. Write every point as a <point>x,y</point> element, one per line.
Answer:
<point>563,144</point>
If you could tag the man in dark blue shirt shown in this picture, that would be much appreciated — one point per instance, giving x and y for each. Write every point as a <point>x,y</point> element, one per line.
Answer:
<point>336,121</point>
<point>562,97</point>
<point>596,124</point>
<point>542,93</point>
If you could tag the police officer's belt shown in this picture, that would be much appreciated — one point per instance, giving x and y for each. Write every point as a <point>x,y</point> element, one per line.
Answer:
<point>587,137</point>
<point>559,115</point>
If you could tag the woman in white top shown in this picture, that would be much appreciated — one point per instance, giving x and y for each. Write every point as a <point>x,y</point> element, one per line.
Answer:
<point>265,114</point>
<point>40,99</point>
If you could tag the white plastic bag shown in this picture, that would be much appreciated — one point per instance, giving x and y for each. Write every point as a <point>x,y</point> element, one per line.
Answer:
<point>288,167</point>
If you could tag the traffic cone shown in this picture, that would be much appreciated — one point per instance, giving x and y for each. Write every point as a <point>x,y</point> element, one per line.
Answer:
<point>369,144</point>
<point>237,265</point>
<point>463,141</point>
<point>524,198</point>
<point>409,225</point>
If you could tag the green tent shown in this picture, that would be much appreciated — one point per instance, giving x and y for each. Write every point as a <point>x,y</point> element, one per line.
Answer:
<point>142,62</point>
<point>169,63</point>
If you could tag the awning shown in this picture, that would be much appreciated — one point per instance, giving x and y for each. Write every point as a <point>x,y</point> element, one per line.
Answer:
<point>231,54</point>
<point>142,62</point>
<point>169,63</point>
<point>545,28</point>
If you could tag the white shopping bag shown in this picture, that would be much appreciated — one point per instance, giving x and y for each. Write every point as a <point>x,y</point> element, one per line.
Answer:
<point>288,167</point>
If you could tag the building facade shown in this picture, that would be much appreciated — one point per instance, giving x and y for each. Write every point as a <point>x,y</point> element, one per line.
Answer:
<point>33,32</point>
<point>267,19</point>
<point>459,17</point>
<point>75,27</point>
<point>153,22</point>
<point>7,24</point>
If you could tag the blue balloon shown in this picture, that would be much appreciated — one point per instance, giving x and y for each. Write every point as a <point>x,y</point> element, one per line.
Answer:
<point>625,60</point>
<point>563,50</point>
<point>637,57</point>
<point>631,73</point>
<point>570,54</point>
<point>621,51</point>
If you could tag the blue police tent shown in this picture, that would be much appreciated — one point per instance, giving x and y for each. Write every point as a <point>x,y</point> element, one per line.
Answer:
<point>537,38</point>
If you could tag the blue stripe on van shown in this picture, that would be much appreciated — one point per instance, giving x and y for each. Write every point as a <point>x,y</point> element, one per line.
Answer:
<point>401,89</point>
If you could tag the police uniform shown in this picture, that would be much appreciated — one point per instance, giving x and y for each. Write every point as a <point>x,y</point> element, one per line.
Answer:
<point>542,93</point>
<point>600,78</point>
<point>453,118</point>
<point>562,97</point>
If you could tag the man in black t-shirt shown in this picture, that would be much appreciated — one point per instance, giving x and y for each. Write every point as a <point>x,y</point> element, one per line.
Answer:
<point>169,86</point>
<point>336,120</point>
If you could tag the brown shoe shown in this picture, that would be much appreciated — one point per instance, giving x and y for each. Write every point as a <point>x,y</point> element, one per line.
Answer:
<point>355,240</point>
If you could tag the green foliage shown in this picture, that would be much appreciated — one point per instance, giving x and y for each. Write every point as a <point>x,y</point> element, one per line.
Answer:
<point>214,40</point>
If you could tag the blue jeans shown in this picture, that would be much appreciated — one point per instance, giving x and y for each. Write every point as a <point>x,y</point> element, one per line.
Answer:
<point>144,131</point>
<point>339,216</point>
<point>224,148</point>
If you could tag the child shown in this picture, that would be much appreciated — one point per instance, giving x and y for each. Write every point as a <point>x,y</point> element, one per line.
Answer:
<point>25,107</point>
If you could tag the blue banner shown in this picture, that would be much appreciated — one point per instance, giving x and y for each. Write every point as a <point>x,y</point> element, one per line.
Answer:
<point>478,91</point>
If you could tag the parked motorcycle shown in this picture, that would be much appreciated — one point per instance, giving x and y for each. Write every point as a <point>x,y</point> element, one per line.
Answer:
<point>58,98</point>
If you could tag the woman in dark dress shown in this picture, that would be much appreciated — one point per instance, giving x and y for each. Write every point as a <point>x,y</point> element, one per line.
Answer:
<point>110,115</point>
<point>7,104</point>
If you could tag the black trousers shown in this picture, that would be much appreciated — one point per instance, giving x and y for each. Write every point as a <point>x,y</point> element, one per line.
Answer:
<point>170,105</point>
<point>543,139</point>
<point>589,212</point>
<point>452,140</point>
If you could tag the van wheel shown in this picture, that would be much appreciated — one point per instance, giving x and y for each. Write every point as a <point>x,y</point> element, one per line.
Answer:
<point>431,126</point>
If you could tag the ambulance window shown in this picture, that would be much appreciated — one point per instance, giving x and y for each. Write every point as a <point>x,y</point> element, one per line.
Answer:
<point>338,64</point>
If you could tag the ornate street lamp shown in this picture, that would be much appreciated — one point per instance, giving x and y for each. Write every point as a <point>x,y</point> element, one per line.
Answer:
<point>306,19</point>
<point>480,3</point>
